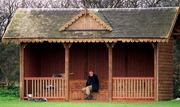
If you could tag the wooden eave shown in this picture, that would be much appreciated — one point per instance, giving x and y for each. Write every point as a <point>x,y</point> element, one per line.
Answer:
<point>173,24</point>
<point>83,40</point>
<point>170,33</point>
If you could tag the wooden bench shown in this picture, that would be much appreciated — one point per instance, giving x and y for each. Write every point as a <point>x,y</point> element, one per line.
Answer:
<point>76,92</point>
<point>101,95</point>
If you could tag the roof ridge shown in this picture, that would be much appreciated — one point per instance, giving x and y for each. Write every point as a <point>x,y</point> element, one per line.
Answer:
<point>93,9</point>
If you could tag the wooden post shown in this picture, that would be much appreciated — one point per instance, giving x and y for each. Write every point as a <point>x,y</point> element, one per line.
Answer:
<point>110,64</point>
<point>66,46</point>
<point>155,72</point>
<point>21,52</point>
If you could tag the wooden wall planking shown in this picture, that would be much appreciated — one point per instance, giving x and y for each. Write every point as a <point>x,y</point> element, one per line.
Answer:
<point>133,60</point>
<point>98,60</point>
<point>165,70</point>
<point>86,22</point>
<point>44,60</point>
<point>31,62</point>
<point>78,62</point>
<point>85,57</point>
<point>52,61</point>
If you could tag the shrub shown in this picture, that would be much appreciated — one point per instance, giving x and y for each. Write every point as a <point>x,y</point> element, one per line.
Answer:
<point>11,90</point>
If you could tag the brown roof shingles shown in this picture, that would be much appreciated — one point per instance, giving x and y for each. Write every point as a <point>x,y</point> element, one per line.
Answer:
<point>126,23</point>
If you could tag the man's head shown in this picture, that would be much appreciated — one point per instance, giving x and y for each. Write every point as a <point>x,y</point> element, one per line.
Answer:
<point>91,73</point>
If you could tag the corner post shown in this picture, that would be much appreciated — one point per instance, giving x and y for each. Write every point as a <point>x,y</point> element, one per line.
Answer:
<point>66,47</point>
<point>156,52</point>
<point>21,52</point>
<point>110,68</point>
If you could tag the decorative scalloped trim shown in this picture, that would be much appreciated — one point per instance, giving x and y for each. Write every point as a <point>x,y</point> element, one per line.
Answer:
<point>83,40</point>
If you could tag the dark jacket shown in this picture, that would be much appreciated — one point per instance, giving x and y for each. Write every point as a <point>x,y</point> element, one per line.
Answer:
<point>94,81</point>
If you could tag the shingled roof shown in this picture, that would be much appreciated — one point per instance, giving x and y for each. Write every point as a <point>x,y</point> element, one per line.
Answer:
<point>128,25</point>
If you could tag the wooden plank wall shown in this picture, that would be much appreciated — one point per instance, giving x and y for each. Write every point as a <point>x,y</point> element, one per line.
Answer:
<point>44,60</point>
<point>86,22</point>
<point>31,62</point>
<point>165,70</point>
<point>52,60</point>
<point>98,60</point>
<point>85,57</point>
<point>133,60</point>
<point>78,62</point>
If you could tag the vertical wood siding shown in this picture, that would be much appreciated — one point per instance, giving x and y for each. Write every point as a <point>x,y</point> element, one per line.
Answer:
<point>31,62</point>
<point>78,62</point>
<point>133,60</point>
<point>85,57</point>
<point>44,60</point>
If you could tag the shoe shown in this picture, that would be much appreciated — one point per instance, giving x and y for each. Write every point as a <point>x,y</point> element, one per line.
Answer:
<point>89,97</point>
<point>86,97</point>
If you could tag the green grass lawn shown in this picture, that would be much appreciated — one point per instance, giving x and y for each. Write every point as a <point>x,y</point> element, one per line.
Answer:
<point>8,98</point>
<point>15,102</point>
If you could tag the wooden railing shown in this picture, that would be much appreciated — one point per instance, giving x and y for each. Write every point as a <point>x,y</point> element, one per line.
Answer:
<point>47,87</point>
<point>123,87</point>
<point>133,88</point>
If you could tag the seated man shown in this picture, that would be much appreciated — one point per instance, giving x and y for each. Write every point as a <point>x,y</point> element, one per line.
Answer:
<point>92,85</point>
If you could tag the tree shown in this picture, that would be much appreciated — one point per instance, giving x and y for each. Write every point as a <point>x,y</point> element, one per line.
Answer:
<point>9,62</point>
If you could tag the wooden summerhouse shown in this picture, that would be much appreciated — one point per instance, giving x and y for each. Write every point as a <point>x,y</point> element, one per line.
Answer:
<point>131,51</point>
